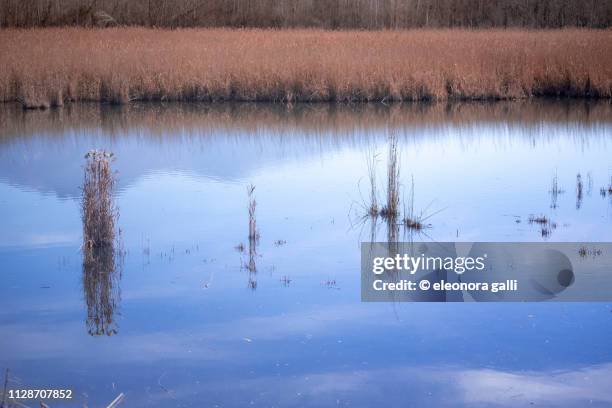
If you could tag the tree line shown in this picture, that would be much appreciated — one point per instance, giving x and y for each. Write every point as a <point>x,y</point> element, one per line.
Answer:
<point>330,14</point>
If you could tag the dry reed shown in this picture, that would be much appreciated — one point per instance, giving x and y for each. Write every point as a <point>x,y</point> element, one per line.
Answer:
<point>555,191</point>
<point>253,233</point>
<point>391,208</point>
<point>372,208</point>
<point>47,67</point>
<point>411,221</point>
<point>98,209</point>
<point>579,188</point>
<point>251,266</point>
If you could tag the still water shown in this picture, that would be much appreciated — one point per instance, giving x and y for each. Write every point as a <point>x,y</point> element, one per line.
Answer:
<point>187,324</point>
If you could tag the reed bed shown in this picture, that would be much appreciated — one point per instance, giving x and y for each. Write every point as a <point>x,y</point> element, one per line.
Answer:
<point>50,67</point>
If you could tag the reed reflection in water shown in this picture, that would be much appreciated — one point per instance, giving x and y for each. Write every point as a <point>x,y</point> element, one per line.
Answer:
<point>253,238</point>
<point>102,254</point>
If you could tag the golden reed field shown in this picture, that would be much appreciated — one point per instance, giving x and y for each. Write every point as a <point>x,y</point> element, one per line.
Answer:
<point>52,66</point>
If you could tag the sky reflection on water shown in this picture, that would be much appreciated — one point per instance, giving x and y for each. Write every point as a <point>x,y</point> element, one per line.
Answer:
<point>190,330</point>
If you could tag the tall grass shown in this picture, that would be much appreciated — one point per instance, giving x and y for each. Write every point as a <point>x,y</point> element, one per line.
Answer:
<point>45,67</point>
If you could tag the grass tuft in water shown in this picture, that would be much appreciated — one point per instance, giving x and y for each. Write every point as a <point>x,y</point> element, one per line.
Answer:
<point>102,254</point>
<point>98,211</point>
<point>390,210</point>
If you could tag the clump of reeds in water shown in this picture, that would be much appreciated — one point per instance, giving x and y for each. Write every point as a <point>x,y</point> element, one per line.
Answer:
<point>390,211</point>
<point>547,226</point>
<point>101,249</point>
<point>410,221</point>
<point>251,266</point>
<point>606,190</point>
<point>539,219</point>
<point>98,210</point>
<point>372,208</point>
<point>579,188</point>
<point>391,208</point>
<point>253,233</point>
<point>554,192</point>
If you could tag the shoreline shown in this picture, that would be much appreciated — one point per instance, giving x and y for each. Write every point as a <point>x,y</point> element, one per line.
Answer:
<point>48,67</point>
<point>546,98</point>
<point>315,119</point>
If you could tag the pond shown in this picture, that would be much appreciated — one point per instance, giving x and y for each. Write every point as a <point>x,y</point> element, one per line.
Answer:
<point>194,313</point>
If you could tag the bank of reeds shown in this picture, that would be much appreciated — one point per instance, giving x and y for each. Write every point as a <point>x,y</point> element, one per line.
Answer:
<point>51,67</point>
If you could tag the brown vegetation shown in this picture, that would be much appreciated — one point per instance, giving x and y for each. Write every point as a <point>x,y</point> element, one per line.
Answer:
<point>98,209</point>
<point>101,255</point>
<point>45,67</point>
<point>391,209</point>
<point>253,232</point>
<point>335,14</point>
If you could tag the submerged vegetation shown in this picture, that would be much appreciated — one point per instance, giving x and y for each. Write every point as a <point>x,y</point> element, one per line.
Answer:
<point>51,67</point>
